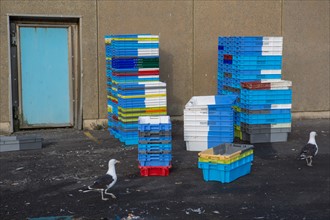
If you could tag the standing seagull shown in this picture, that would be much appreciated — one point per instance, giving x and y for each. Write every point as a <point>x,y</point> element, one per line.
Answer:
<point>309,150</point>
<point>104,183</point>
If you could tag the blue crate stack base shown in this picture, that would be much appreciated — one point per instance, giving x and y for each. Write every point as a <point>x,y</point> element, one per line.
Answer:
<point>261,115</point>
<point>265,111</point>
<point>133,86</point>
<point>155,145</point>
<point>208,121</point>
<point>226,162</point>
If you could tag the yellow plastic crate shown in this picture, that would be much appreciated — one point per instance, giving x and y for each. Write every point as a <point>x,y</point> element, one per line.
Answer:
<point>225,161</point>
<point>225,151</point>
<point>161,109</point>
<point>141,96</point>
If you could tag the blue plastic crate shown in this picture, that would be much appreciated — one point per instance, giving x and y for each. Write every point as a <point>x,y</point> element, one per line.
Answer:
<point>278,58</point>
<point>154,159</point>
<point>250,92</point>
<point>155,139</point>
<point>154,148</point>
<point>154,127</point>
<point>226,174</point>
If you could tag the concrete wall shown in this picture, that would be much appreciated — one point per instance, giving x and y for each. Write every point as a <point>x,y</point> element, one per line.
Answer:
<point>306,53</point>
<point>188,44</point>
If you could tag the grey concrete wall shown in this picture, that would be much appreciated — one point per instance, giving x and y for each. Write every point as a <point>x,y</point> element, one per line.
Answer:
<point>172,21</point>
<point>188,43</point>
<point>306,53</point>
<point>227,18</point>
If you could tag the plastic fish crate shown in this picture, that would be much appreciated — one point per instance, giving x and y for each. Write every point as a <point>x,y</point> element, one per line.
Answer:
<point>154,148</point>
<point>225,151</point>
<point>155,170</point>
<point>265,106</point>
<point>206,101</point>
<point>226,133</point>
<point>227,166</point>
<point>204,145</point>
<point>267,85</point>
<point>230,67</point>
<point>249,53</point>
<point>248,92</point>
<point>207,117</point>
<point>253,76</point>
<point>224,123</point>
<point>266,111</point>
<point>265,130</point>
<point>265,138</point>
<point>153,139</point>
<point>204,128</point>
<point>154,123</point>
<point>197,112</point>
<point>253,62</point>
<point>14,143</point>
<point>156,133</point>
<point>266,121</point>
<point>228,161</point>
<point>285,100</point>
<point>214,173</point>
<point>154,159</point>
<point>266,126</point>
<point>250,58</point>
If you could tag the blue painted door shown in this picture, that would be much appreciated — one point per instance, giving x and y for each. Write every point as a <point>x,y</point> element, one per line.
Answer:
<point>45,83</point>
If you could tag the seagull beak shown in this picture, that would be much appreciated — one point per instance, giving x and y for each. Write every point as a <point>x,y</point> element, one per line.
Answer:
<point>117,161</point>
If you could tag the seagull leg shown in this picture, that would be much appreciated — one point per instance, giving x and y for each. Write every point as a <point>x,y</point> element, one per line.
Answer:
<point>102,196</point>
<point>112,195</point>
<point>309,163</point>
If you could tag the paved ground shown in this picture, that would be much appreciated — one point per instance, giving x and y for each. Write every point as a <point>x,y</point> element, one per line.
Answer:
<point>45,182</point>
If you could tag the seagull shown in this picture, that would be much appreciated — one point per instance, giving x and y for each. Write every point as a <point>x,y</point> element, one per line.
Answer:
<point>105,182</point>
<point>309,150</point>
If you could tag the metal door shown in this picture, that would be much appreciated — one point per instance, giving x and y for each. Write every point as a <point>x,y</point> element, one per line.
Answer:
<point>45,77</point>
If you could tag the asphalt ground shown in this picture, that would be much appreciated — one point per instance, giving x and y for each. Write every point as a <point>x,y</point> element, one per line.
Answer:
<point>46,182</point>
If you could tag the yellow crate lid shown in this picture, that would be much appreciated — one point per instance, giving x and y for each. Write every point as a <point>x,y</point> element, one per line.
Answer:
<point>227,160</point>
<point>225,151</point>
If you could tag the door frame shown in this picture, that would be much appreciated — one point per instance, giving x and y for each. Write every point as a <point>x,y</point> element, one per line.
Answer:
<point>75,66</point>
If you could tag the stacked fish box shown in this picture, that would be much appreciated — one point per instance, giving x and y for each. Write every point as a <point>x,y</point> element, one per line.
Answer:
<point>155,145</point>
<point>226,162</point>
<point>265,111</point>
<point>247,59</point>
<point>133,85</point>
<point>244,59</point>
<point>208,121</point>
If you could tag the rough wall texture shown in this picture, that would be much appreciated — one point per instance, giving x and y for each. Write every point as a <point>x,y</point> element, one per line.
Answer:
<point>306,53</point>
<point>172,21</point>
<point>188,43</point>
<point>227,18</point>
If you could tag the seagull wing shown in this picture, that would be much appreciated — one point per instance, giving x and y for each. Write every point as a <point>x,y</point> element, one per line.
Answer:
<point>308,150</point>
<point>103,182</point>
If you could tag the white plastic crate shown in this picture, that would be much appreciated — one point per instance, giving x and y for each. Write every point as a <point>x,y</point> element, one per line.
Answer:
<point>196,145</point>
<point>205,101</point>
<point>154,120</point>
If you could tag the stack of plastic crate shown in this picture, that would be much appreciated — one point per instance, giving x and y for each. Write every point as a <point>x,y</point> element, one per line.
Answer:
<point>247,59</point>
<point>155,145</point>
<point>244,59</point>
<point>226,162</point>
<point>134,88</point>
<point>265,111</point>
<point>208,121</point>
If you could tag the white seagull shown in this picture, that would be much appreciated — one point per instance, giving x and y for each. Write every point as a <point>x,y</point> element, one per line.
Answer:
<point>309,150</point>
<point>105,182</point>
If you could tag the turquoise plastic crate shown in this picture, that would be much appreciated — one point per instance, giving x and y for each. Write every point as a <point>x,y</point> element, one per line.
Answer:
<point>226,173</point>
<point>226,176</point>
